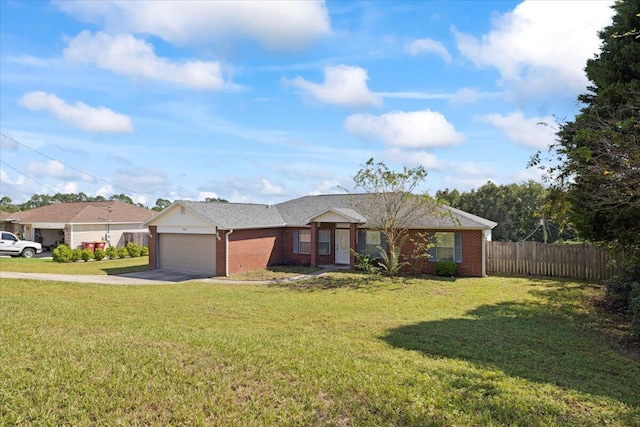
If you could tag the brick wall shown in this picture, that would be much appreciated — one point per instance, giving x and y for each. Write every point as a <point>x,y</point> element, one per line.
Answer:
<point>253,249</point>
<point>471,265</point>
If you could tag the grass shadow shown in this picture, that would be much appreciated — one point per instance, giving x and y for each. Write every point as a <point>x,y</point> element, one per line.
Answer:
<point>112,271</point>
<point>344,279</point>
<point>529,340</point>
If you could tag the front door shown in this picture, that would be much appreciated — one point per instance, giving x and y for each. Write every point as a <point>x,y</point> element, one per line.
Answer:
<point>343,245</point>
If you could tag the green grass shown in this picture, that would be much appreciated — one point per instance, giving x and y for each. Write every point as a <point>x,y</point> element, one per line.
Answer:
<point>44,265</point>
<point>273,273</point>
<point>343,350</point>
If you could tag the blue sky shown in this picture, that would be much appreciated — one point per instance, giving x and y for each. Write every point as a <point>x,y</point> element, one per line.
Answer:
<point>266,101</point>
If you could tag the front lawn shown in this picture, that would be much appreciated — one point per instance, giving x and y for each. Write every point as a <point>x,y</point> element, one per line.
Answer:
<point>47,265</point>
<point>343,349</point>
<point>273,273</point>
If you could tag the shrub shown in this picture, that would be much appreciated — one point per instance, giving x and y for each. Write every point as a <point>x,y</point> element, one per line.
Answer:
<point>133,250</point>
<point>62,253</point>
<point>144,251</point>
<point>99,254</point>
<point>123,252</point>
<point>634,311</point>
<point>86,255</point>
<point>391,264</point>
<point>446,268</point>
<point>112,252</point>
<point>623,293</point>
<point>367,263</point>
<point>76,255</point>
<point>622,288</point>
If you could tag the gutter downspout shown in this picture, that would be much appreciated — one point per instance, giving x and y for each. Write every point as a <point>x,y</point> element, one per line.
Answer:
<point>226,252</point>
<point>484,255</point>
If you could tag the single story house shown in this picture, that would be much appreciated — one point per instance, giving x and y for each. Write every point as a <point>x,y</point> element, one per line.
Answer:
<point>113,222</point>
<point>221,239</point>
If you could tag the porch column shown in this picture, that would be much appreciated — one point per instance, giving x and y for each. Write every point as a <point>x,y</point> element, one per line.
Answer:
<point>314,244</point>
<point>353,235</point>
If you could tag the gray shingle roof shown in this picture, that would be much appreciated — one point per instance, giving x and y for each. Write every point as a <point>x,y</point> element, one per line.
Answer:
<point>298,211</point>
<point>237,215</point>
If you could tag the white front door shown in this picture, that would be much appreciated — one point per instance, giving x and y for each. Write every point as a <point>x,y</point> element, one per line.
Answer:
<point>343,245</point>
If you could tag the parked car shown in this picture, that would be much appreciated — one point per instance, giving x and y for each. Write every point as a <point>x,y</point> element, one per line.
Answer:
<point>11,245</point>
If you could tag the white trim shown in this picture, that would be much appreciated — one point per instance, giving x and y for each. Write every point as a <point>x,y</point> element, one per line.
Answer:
<point>484,257</point>
<point>176,229</point>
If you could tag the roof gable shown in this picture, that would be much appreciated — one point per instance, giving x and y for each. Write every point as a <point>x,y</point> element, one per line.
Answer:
<point>227,216</point>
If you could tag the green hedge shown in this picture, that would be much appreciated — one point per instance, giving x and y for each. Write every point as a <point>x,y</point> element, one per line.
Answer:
<point>446,268</point>
<point>64,253</point>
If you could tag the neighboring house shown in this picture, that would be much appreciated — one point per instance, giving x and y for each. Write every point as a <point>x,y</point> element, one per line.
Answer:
<point>113,222</point>
<point>218,239</point>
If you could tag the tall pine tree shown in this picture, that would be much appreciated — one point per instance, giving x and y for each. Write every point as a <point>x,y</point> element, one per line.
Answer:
<point>599,151</point>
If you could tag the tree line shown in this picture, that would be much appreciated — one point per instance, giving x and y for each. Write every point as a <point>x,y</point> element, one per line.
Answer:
<point>522,211</point>
<point>39,200</point>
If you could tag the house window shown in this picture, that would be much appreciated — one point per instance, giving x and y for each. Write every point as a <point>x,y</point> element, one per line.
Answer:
<point>302,242</point>
<point>371,243</point>
<point>324,242</point>
<point>448,247</point>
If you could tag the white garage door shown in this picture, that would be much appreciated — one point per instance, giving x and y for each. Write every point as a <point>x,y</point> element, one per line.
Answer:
<point>192,253</point>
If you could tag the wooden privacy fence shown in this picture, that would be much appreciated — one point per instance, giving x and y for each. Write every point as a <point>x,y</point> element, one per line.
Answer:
<point>582,261</point>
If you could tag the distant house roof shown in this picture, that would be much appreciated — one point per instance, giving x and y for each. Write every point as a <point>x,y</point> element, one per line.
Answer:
<point>85,213</point>
<point>298,212</point>
<point>7,216</point>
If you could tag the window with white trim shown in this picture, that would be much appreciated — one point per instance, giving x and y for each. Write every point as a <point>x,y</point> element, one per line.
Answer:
<point>447,247</point>
<point>324,242</point>
<point>304,241</point>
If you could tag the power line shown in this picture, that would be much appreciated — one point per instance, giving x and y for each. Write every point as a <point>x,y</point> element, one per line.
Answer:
<point>27,176</point>
<point>532,233</point>
<point>64,164</point>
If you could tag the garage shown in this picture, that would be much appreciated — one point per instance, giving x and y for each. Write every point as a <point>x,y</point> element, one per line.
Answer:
<point>192,253</point>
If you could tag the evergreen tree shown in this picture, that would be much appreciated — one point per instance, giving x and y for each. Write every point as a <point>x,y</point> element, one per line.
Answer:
<point>599,151</point>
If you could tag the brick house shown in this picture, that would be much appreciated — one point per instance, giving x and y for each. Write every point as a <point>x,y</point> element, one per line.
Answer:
<point>221,239</point>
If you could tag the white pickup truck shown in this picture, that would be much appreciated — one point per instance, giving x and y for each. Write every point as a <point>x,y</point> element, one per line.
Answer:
<point>11,245</point>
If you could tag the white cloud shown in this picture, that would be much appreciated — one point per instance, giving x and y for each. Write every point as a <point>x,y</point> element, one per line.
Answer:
<point>7,144</point>
<point>141,180</point>
<point>5,178</point>
<point>270,189</point>
<point>343,85</point>
<point>80,115</point>
<point>414,129</point>
<point>275,24</point>
<point>541,46</point>
<point>53,169</point>
<point>106,191</point>
<point>126,55</point>
<point>415,95</point>
<point>522,131</point>
<point>420,46</point>
<point>203,195</point>
<point>462,183</point>
<point>470,95</point>
<point>412,158</point>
